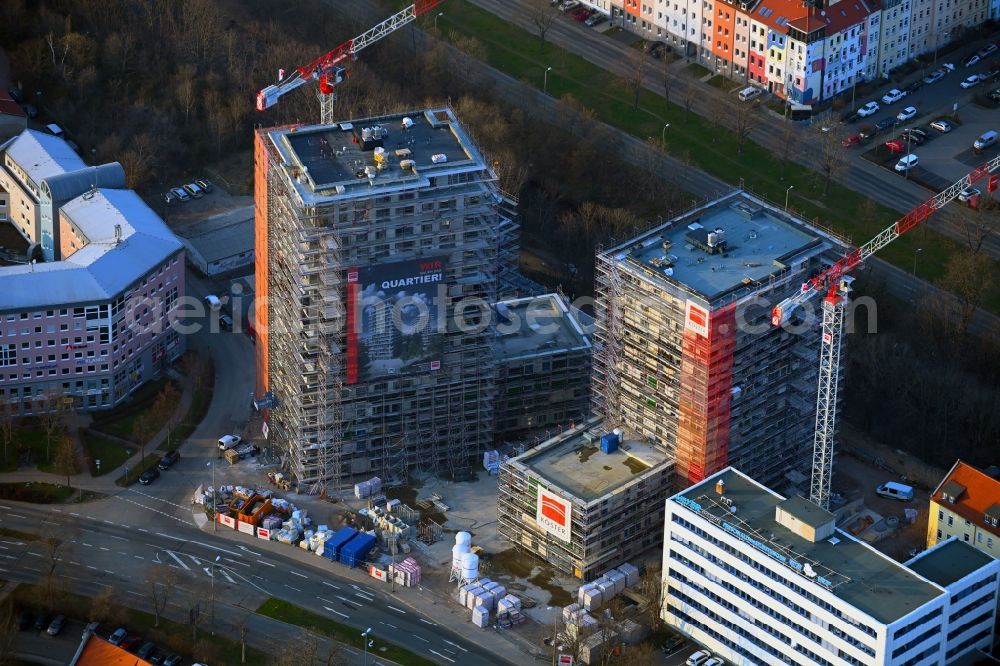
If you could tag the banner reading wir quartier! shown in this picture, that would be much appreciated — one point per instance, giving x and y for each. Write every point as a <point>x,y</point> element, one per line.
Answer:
<point>392,319</point>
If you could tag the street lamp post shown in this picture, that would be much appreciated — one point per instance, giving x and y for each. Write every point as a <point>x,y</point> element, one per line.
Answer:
<point>663,134</point>
<point>545,81</point>
<point>439,15</point>
<point>788,192</point>
<point>214,564</point>
<point>364,635</point>
<point>915,254</point>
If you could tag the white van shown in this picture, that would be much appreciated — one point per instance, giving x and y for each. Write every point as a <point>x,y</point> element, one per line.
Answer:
<point>895,490</point>
<point>227,442</point>
<point>213,302</point>
<point>985,141</point>
<point>907,162</point>
<point>749,93</point>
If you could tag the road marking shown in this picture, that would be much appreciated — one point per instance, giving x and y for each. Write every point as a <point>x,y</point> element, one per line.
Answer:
<point>391,626</point>
<point>178,560</point>
<point>108,522</point>
<point>396,609</point>
<point>242,564</point>
<point>368,599</point>
<point>17,515</point>
<point>142,530</point>
<point>296,573</point>
<point>139,557</point>
<point>153,545</point>
<point>268,564</point>
<point>420,637</point>
<point>135,593</point>
<point>32,569</point>
<point>441,655</point>
<point>90,567</point>
<point>13,543</point>
<point>325,600</point>
<point>336,587</point>
<point>228,577</point>
<point>75,564</point>
<point>5,508</point>
<point>122,552</point>
<point>118,537</point>
<point>345,615</point>
<point>455,644</point>
<point>35,554</point>
<point>88,545</point>
<point>221,550</point>
<point>76,515</point>
<point>9,557</point>
<point>4,548</point>
<point>109,571</point>
<point>427,622</point>
<point>103,548</point>
<point>348,601</point>
<point>293,588</point>
<point>167,536</point>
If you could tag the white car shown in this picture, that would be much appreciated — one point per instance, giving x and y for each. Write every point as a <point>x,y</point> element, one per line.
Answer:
<point>698,658</point>
<point>893,96</point>
<point>987,50</point>
<point>906,114</point>
<point>968,194</point>
<point>908,162</point>
<point>227,442</point>
<point>942,126</point>
<point>868,109</point>
<point>714,661</point>
<point>971,81</point>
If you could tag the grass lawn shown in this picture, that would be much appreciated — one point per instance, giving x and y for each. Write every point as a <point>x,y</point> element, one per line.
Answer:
<point>697,70</point>
<point>292,614</point>
<point>169,633</point>
<point>120,420</point>
<point>136,470</point>
<point>17,534</point>
<point>37,493</point>
<point>200,402</point>
<point>112,454</point>
<point>711,148</point>
<point>30,438</point>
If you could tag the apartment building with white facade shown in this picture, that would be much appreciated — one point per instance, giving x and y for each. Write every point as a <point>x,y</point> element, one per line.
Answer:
<point>762,579</point>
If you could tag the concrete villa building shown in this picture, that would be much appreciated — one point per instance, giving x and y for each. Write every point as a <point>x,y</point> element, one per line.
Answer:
<point>966,506</point>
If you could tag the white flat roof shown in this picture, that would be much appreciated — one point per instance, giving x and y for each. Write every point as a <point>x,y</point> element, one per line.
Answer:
<point>101,269</point>
<point>42,155</point>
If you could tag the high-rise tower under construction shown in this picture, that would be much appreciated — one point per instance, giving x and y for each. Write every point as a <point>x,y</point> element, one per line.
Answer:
<point>377,246</point>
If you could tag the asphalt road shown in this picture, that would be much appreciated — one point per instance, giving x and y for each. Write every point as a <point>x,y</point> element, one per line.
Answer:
<point>859,175</point>
<point>123,554</point>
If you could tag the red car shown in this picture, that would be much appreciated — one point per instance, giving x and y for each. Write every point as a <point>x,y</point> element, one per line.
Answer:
<point>851,140</point>
<point>895,146</point>
<point>580,14</point>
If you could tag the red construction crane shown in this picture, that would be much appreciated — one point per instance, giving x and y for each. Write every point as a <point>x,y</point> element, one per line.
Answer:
<point>836,282</point>
<point>328,68</point>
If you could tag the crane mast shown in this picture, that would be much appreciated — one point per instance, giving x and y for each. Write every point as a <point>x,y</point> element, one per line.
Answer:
<point>836,283</point>
<point>330,68</point>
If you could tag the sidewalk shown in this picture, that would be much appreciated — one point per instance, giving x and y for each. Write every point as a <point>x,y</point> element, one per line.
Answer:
<point>105,483</point>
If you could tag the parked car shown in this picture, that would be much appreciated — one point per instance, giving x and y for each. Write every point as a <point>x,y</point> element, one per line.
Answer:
<point>228,441</point>
<point>145,650</point>
<point>987,50</point>
<point>913,139</point>
<point>893,96</point>
<point>118,637</point>
<point>673,644</point>
<point>851,140</point>
<point>658,49</point>
<point>868,109</point>
<point>156,658</point>
<point>994,95</point>
<point>172,660</point>
<point>698,658</point>
<point>597,18</point>
<point>915,134</point>
<point>150,475</point>
<point>181,194</point>
<point>946,67</point>
<point>936,75</point>
<point>714,661</point>
<point>204,185</point>
<point>886,124</point>
<point>914,87</point>
<point>993,74</point>
<point>132,643</point>
<point>968,194</point>
<point>225,322</point>
<point>41,622</point>
<point>866,132</point>
<point>895,490</point>
<point>194,190</point>
<point>56,625</point>
<point>908,113</point>
<point>971,81</point>
<point>168,459</point>
<point>943,126</point>
<point>580,14</point>
<point>971,60</point>
<point>896,146</point>
<point>908,162</point>
<point>168,198</point>
<point>568,5</point>
<point>15,94</point>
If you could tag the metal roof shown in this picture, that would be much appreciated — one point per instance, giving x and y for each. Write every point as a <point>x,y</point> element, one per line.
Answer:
<point>42,155</point>
<point>65,186</point>
<point>101,269</point>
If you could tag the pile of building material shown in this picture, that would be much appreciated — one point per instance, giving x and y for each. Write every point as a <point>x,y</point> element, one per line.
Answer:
<point>492,461</point>
<point>481,616</point>
<point>406,573</point>
<point>579,623</point>
<point>347,546</point>
<point>366,489</point>
<point>239,452</point>
<point>597,593</point>
<point>484,596</point>
<point>592,648</point>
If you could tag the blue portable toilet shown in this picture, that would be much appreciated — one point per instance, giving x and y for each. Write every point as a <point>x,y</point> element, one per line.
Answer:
<point>609,442</point>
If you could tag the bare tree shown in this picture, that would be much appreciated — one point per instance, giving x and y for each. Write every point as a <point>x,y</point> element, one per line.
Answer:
<point>667,77</point>
<point>106,608</point>
<point>66,461</point>
<point>56,547</point>
<point>9,425</point>
<point>543,15</point>
<point>744,117</point>
<point>636,62</point>
<point>51,409</point>
<point>8,631</point>
<point>831,156</point>
<point>651,587</point>
<point>643,654</point>
<point>979,223</point>
<point>187,93</point>
<point>788,147</point>
<point>969,276</point>
<point>142,430</point>
<point>690,95</point>
<point>161,583</point>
